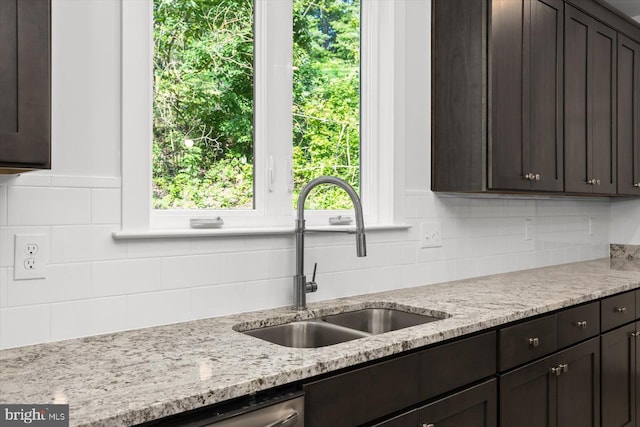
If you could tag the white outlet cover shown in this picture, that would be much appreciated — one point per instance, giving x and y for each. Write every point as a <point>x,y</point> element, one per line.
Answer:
<point>430,234</point>
<point>31,256</point>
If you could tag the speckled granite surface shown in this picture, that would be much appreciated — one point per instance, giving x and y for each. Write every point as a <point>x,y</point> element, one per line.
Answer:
<point>625,257</point>
<point>132,377</point>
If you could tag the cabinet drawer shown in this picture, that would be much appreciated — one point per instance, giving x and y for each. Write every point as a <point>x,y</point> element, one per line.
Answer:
<point>454,365</point>
<point>527,341</point>
<point>578,323</point>
<point>404,420</point>
<point>362,395</point>
<point>475,406</point>
<point>617,310</point>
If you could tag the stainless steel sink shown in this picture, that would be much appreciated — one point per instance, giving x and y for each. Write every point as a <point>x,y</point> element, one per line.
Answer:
<point>306,334</point>
<point>379,320</point>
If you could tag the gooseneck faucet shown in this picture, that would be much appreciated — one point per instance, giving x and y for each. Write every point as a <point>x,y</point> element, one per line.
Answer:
<point>300,285</point>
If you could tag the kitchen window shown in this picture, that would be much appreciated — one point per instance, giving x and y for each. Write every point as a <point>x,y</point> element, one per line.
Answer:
<point>282,143</point>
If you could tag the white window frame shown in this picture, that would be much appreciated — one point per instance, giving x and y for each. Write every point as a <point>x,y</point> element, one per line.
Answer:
<point>272,120</point>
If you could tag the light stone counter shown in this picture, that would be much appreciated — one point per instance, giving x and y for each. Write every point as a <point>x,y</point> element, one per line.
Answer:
<point>131,377</point>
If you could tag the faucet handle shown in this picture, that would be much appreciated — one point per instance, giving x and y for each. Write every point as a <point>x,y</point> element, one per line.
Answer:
<point>312,286</point>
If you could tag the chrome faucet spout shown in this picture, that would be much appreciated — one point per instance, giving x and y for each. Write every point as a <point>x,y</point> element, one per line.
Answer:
<point>300,285</point>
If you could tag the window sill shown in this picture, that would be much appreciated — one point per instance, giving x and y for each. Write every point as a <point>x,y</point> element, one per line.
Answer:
<point>247,231</point>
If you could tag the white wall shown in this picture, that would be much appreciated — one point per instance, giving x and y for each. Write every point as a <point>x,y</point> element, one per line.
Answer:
<point>97,285</point>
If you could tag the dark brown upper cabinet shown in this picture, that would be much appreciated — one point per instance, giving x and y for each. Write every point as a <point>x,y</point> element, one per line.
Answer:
<point>25,85</point>
<point>497,95</point>
<point>628,116</point>
<point>590,66</point>
<point>525,97</point>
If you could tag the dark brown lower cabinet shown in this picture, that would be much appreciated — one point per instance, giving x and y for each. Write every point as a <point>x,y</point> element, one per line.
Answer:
<point>473,407</point>
<point>561,390</point>
<point>619,377</point>
<point>476,406</point>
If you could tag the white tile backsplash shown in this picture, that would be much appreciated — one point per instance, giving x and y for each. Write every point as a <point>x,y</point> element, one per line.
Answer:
<point>157,308</point>
<point>49,206</point>
<point>88,317</point>
<point>64,282</point>
<point>105,206</point>
<point>25,325</point>
<point>124,277</point>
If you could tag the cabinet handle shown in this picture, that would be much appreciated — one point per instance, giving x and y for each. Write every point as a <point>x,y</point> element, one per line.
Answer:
<point>634,334</point>
<point>534,342</point>
<point>621,309</point>
<point>537,177</point>
<point>637,185</point>
<point>581,324</point>
<point>529,176</point>
<point>592,181</point>
<point>597,181</point>
<point>557,371</point>
<point>564,367</point>
<point>428,425</point>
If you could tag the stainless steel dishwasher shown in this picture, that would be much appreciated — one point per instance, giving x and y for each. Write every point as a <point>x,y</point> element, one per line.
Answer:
<point>279,410</point>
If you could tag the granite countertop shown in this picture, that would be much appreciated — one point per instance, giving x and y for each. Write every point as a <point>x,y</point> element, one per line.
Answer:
<point>131,377</point>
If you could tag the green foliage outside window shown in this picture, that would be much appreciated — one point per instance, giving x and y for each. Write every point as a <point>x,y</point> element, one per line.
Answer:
<point>203,101</point>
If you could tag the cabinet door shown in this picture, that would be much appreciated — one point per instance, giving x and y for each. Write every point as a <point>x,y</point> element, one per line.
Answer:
<point>473,407</point>
<point>590,104</point>
<point>410,419</point>
<point>526,95</point>
<point>25,87</point>
<point>603,107</point>
<point>508,151</point>
<point>578,403</point>
<point>528,395</point>
<point>618,396</point>
<point>543,89</point>
<point>628,116</point>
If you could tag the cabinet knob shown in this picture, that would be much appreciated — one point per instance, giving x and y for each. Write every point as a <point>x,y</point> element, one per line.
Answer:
<point>428,425</point>
<point>637,185</point>
<point>564,367</point>
<point>621,309</point>
<point>556,370</point>
<point>592,181</point>
<point>529,176</point>
<point>598,181</point>
<point>537,177</point>
<point>634,334</point>
<point>534,342</point>
<point>581,324</point>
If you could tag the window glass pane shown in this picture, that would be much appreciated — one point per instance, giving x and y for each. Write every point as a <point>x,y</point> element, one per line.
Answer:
<point>203,104</point>
<point>326,110</point>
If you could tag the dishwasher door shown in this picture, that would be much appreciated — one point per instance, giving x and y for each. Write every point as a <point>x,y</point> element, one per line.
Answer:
<point>289,413</point>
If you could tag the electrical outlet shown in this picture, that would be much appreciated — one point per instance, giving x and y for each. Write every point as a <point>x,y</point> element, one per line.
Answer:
<point>31,256</point>
<point>430,234</point>
<point>528,229</point>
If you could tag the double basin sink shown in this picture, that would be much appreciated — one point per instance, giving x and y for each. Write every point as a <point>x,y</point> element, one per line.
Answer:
<point>338,328</point>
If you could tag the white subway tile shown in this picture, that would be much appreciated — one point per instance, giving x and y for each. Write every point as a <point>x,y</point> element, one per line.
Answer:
<point>125,277</point>
<point>87,317</point>
<point>148,248</point>
<point>7,241</point>
<point>340,258</point>
<point>443,271</point>
<point>49,206</point>
<point>3,206</point>
<point>488,265</point>
<point>268,294</point>
<point>411,206</point>
<point>3,287</point>
<point>385,255</point>
<point>204,245</point>
<point>211,301</point>
<point>190,271</point>
<point>158,308</point>
<point>105,206</point>
<point>64,282</point>
<point>467,268</point>
<point>104,247</point>
<point>430,255</point>
<point>244,266</point>
<point>21,326</point>
<point>282,263</point>
<point>83,181</point>
<point>416,275</point>
<point>342,284</point>
<point>385,279</point>
<point>71,244</point>
<point>261,243</point>
<point>31,179</point>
